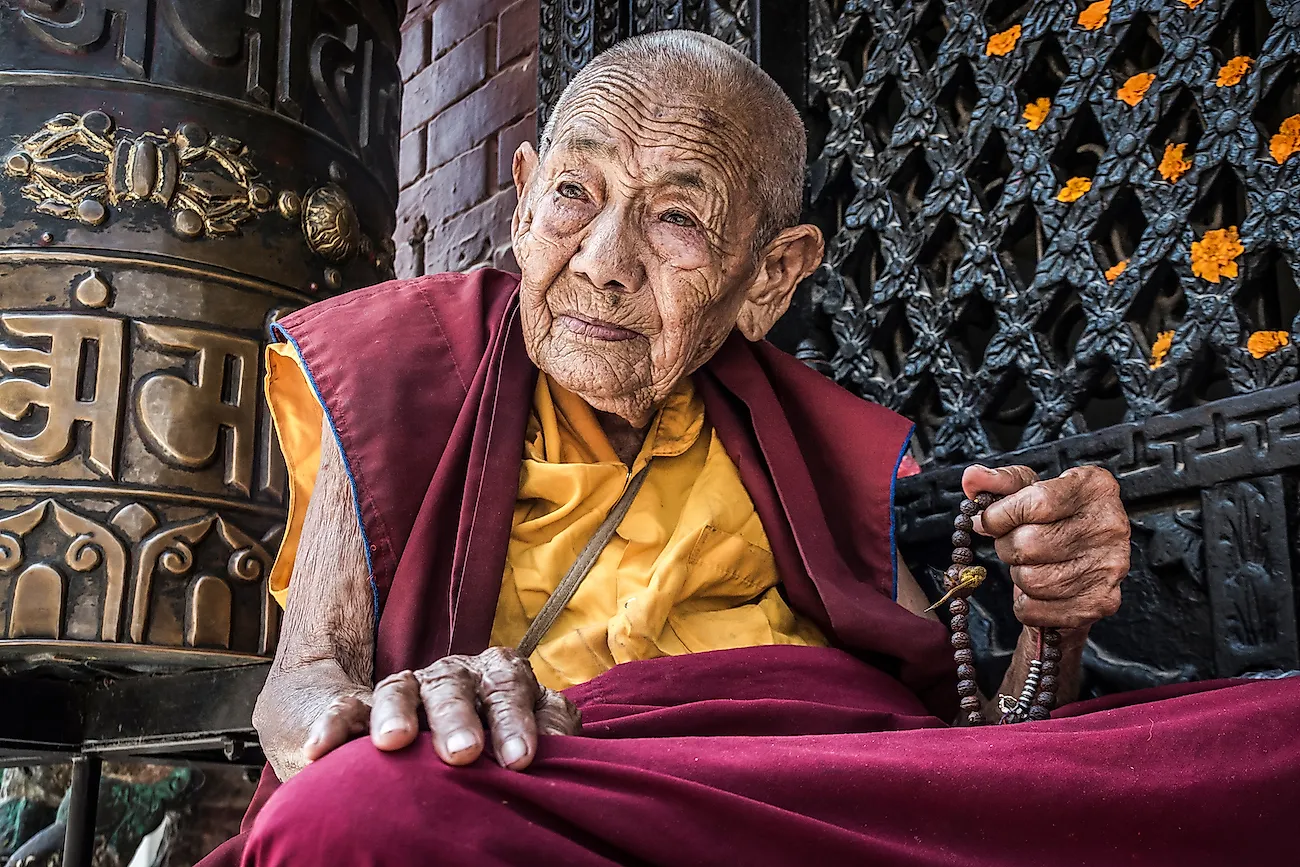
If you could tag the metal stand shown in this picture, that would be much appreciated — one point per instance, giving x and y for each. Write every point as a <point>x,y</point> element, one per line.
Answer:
<point>83,802</point>
<point>197,716</point>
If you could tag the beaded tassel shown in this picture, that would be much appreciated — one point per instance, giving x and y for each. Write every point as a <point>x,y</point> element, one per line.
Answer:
<point>1039,693</point>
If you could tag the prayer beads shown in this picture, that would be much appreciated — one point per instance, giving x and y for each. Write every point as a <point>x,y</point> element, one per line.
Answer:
<point>1038,695</point>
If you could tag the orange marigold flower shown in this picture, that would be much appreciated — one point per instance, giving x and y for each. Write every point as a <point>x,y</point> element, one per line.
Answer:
<point>1036,112</point>
<point>1136,87</point>
<point>1002,43</point>
<point>1234,71</point>
<point>1191,4</point>
<point>1164,343</point>
<point>1113,272</point>
<point>1263,343</point>
<point>1074,189</point>
<point>1095,15</point>
<point>1287,140</point>
<point>1172,165</point>
<point>1215,255</point>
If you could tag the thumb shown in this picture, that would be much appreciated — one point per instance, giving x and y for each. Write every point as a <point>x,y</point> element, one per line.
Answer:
<point>979,479</point>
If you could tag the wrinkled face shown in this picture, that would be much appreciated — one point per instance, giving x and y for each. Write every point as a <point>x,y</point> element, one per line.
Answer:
<point>634,238</point>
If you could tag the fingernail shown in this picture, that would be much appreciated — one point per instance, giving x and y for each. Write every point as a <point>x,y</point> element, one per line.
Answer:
<point>393,725</point>
<point>460,741</point>
<point>513,750</point>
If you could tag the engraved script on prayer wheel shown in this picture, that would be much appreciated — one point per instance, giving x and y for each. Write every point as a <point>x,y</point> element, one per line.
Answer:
<point>174,176</point>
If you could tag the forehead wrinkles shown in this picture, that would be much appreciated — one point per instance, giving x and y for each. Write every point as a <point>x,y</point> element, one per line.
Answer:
<point>617,101</point>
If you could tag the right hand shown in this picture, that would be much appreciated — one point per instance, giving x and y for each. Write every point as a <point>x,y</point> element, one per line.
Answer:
<point>457,693</point>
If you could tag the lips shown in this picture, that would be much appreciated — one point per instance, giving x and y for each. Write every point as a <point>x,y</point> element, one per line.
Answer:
<point>596,329</point>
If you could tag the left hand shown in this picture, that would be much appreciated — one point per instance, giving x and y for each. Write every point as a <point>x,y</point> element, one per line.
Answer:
<point>1065,539</point>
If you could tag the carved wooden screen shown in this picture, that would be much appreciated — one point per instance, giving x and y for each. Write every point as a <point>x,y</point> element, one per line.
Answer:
<point>1058,233</point>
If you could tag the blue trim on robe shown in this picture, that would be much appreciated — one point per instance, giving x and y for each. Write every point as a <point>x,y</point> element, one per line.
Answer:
<point>893,483</point>
<point>276,330</point>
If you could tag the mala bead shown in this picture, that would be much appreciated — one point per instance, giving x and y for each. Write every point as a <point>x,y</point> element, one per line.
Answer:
<point>965,671</point>
<point>963,556</point>
<point>975,718</point>
<point>1051,654</point>
<point>983,501</point>
<point>1046,699</point>
<point>951,577</point>
<point>1047,684</point>
<point>970,702</point>
<point>958,606</point>
<point>964,655</point>
<point>966,688</point>
<point>960,539</point>
<point>1038,714</point>
<point>1051,637</point>
<point>958,623</point>
<point>960,641</point>
<point>968,508</point>
<point>963,523</point>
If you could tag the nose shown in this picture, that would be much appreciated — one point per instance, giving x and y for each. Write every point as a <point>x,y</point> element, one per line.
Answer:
<point>609,255</point>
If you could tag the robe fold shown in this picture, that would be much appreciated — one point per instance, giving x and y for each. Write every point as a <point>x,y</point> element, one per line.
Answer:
<point>691,759</point>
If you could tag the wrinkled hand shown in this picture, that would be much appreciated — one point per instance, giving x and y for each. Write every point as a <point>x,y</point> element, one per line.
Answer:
<point>458,694</point>
<point>1065,539</point>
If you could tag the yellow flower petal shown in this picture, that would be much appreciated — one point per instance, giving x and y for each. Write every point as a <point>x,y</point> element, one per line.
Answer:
<point>1164,342</point>
<point>1263,343</point>
<point>1003,43</point>
<point>1191,4</point>
<point>1113,272</point>
<point>1136,87</point>
<point>1095,15</point>
<point>1287,140</point>
<point>1074,189</point>
<point>1215,255</point>
<point>1036,112</point>
<point>1233,71</point>
<point>1172,165</point>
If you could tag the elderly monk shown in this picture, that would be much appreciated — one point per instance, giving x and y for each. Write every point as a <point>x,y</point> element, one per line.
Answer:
<point>455,444</point>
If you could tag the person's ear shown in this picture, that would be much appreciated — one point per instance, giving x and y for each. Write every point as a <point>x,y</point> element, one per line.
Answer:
<point>523,168</point>
<point>791,256</point>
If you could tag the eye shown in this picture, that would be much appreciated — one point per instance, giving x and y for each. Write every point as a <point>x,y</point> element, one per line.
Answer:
<point>677,218</point>
<point>570,190</point>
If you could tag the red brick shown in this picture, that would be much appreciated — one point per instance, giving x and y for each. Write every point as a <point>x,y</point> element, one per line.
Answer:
<point>415,47</point>
<point>447,190</point>
<point>508,141</point>
<point>478,236</point>
<point>516,31</point>
<point>507,96</point>
<point>444,81</point>
<point>410,163</point>
<point>453,20</point>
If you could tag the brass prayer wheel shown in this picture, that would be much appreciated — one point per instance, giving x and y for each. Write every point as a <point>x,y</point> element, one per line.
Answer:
<point>174,176</point>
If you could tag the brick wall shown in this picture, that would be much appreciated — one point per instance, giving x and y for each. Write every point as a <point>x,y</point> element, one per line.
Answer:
<point>470,73</point>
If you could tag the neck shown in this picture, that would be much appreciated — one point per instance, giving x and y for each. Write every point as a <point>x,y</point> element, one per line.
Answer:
<point>625,437</point>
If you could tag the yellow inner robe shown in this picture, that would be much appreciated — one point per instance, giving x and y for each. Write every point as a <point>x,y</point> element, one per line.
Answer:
<point>689,569</point>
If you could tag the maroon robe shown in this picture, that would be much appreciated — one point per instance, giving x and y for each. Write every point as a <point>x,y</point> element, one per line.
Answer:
<point>689,760</point>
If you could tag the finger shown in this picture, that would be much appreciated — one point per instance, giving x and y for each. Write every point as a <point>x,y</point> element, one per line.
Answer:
<point>1066,613</point>
<point>1040,503</point>
<point>345,718</point>
<point>447,690</point>
<point>979,479</point>
<point>556,715</point>
<point>1048,581</point>
<point>508,693</point>
<point>1037,544</point>
<point>394,713</point>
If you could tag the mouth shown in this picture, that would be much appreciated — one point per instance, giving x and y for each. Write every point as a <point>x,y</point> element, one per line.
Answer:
<point>596,329</point>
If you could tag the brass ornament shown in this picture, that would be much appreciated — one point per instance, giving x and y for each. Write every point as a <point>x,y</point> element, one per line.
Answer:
<point>74,167</point>
<point>330,224</point>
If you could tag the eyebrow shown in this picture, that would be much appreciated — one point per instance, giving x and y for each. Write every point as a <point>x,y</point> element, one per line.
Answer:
<point>683,178</point>
<point>589,144</point>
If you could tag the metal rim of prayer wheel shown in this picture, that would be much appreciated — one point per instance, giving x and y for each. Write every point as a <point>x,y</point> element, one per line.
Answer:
<point>174,178</point>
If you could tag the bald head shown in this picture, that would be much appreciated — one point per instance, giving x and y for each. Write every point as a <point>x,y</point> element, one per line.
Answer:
<point>752,109</point>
